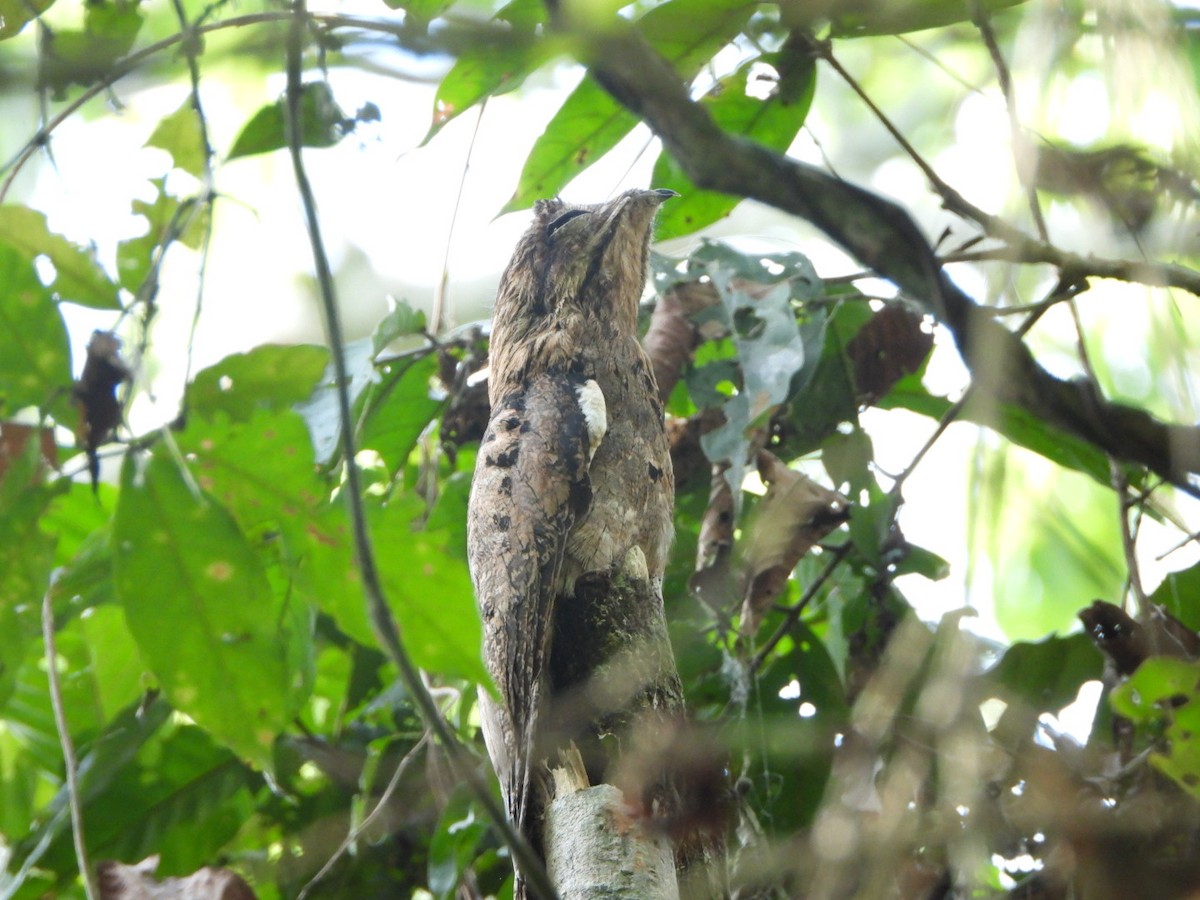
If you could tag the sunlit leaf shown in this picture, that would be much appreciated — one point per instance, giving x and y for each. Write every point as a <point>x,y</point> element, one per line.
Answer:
<point>772,121</point>
<point>400,322</point>
<point>912,15</point>
<point>1180,594</point>
<point>16,14</point>
<point>322,123</point>
<point>590,122</point>
<point>492,65</point>
<point>168,219</point>
<point>83,57</point>
<point>78,276</point>
<point>398,409</point>
<point>271,376</point>
<point>201,610</point>
<point>429,590</point>
<point>180,135</point>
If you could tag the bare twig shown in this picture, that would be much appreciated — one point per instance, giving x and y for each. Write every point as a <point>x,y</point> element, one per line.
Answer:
<point>1019,145</point>
<point>370,817</point>
<point>792,616</point>
<point>439,296</point>
<point>68,748</point>
<point>384,625</point>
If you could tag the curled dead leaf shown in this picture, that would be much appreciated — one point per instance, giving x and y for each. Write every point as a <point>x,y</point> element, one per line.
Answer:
<point>795,514</point>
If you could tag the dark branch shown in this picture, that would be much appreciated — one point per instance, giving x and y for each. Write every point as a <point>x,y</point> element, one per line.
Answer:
<point>886,239</point>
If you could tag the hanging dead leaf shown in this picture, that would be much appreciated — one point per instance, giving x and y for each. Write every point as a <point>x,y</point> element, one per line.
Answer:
<point>119,881</point>
<point>14,438</point>
<point>1128,642</point>
<point>713,581</point>
<point>95,394</point>
<point>795,514</point>
<point>891,345</point>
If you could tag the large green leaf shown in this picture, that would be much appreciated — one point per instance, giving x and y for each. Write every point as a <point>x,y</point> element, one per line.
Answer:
<point>493,65</point>
<point>398,409</point>
<point>201,609</point>
<point>322,123</point>
<point>429,590</point>
<point>1164,689</point>
<point>183,799</point>
<point>772,121</point>
<point>270,376</point>
<point>35,362</point>
<point>181,135</point>
<point>99,764</point>
<point>590,123</point>
<point>909,15</point>
<point>1046,675</point>
<point>78,276</point>
<point>16,14</point>
<point>1179,593</point>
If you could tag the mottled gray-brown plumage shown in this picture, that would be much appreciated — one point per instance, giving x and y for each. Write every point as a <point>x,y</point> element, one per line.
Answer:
<point>573,476</point>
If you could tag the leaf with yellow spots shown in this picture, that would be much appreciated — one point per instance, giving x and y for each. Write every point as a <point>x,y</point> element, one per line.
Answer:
<point>34,357</point>
<point>226,650</point>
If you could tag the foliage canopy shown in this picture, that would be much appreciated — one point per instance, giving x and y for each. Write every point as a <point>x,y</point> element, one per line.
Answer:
<point>221,606</point>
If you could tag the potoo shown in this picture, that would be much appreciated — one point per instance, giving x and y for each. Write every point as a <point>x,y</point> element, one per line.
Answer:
<point>573,478</point>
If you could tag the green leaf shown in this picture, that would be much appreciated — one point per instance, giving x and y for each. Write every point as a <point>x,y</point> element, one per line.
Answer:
<point>828,397</point>
<point>322,123</point>
<point>429,590</point>
<point>1046,675</point>
<point>401,321</point>
<point>78,276</point>
<point>183,800</point>
<point>771,351</point>
<point>590,123</point>
<point>201,610</point>
<point>270,376</point>
<point>322,411</point>
<point>772,122</point>
<point>398,409</point>
<point>83,57</point>
<point>454,844</point>
<point>912,15</point>
<point>259,467</point>
<point>1179,594</point>
<point>180,135</point>
<point>494,64</point>
<point>16,14</point>
<point>1167,689</point>
<point>35,361</point>
<point>168,219</point>
<point>1159,680</point>
<point>108,755</point>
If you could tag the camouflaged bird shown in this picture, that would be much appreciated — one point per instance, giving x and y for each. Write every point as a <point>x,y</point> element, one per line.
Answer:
<point>574,474</point>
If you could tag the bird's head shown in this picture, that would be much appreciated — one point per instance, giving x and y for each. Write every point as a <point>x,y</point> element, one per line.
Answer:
<point>576,264</point>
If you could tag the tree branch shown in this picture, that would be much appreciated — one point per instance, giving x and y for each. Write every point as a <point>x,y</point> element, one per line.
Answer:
<point>886,239</point>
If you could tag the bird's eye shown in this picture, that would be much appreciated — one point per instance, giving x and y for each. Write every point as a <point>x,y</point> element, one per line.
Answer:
<point>564,219</point>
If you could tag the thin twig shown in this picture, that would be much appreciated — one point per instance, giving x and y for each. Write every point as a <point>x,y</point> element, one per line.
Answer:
<point>362,826</point>
<point>386,628</point>
<point>792,616</point>
<point>980,18</point>
<point>439,296</point>
<point>68,749</point>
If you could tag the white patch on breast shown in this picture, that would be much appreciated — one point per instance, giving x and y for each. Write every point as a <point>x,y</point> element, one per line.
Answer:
<point>595,413</point>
